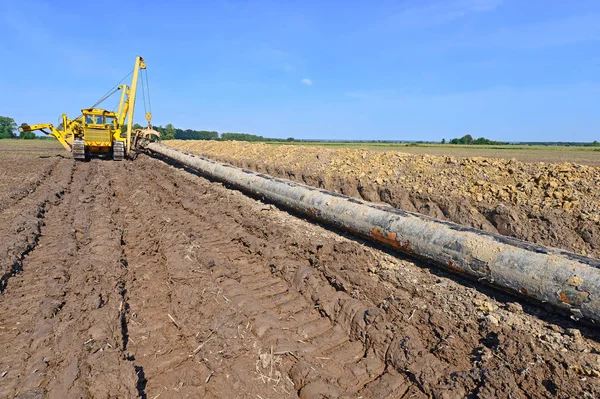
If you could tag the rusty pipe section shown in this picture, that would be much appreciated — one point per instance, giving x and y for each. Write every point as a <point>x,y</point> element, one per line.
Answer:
<point>563,279</point>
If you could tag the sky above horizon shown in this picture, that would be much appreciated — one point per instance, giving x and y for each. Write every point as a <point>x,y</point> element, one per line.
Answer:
<point>507,70</point>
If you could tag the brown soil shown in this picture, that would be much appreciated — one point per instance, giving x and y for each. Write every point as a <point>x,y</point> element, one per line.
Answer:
<point>140,279</point>
<point>555,204</point>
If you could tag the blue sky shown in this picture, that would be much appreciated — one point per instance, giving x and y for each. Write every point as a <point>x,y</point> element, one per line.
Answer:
<point>402,70</point>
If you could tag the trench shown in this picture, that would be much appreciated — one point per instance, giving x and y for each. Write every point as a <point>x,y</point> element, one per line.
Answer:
<point>538,273</point>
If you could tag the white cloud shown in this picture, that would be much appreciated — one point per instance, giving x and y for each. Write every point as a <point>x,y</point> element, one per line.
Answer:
<point>306,81</point>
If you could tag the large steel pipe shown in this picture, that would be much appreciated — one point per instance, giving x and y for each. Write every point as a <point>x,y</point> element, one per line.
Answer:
<point>563,279</point>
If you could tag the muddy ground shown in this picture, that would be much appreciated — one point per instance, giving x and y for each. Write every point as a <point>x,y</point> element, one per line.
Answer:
<point>138,279</point>
<point>553,204</point>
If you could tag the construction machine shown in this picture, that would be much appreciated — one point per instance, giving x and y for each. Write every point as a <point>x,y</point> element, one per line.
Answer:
<point>98,131</point>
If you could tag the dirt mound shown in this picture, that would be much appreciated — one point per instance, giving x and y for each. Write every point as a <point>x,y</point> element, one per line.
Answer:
<point>551,204</point>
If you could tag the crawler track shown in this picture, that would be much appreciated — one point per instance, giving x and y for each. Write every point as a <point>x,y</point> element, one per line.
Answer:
<point>169,284</point>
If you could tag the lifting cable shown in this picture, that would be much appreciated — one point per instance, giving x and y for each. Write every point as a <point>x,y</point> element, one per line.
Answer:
<point>112,91</point>
<point>109,93</point>
<point>106,96</point>
<point>143,91</point>
<point>115,88</point>
<point>146,87</point>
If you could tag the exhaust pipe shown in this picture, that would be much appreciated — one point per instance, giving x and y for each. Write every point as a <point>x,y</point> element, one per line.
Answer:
<point>565,280</point>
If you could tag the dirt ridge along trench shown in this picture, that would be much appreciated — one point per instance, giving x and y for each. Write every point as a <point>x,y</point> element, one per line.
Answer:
<point>164,283</point>
<point>553,204</point>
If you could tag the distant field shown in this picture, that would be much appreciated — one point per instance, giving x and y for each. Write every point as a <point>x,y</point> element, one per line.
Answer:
<point>525,153</point>
<point>30,145</point>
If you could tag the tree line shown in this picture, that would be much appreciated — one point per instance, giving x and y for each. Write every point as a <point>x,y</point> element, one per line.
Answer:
<point>8,129</point>
<point>468,139</point>
<point>169,132</point>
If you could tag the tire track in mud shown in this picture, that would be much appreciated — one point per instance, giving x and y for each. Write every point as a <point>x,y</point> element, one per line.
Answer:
<point>282,319</point>
<point>167,317</point>
<point>19,195</point>
<point>308,329</point>
<point>243,310</point>
<point>406,332</point>
<point>25,218</point>
<point>336,344</point>
<point>62,316</point>
<point>149,280</point>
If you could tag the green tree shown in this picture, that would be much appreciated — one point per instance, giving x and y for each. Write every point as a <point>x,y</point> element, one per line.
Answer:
<point>169,132</point>
<point>443,141</point>
<point>189,134</point>
<point>133,128</point>
<point>7,127</point>
<point>241,137</point>
<point>26,135</point>
<point>466,139</point>
<point>469,140</point>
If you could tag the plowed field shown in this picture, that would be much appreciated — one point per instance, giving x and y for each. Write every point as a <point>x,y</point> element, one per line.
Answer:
<point>139,279</point>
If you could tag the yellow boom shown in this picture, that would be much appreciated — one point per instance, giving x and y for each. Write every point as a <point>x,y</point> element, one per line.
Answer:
<point>65,140</point>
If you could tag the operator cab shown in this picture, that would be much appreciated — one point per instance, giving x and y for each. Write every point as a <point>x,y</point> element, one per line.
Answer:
<point>99,118</point>
<point>99,127</point>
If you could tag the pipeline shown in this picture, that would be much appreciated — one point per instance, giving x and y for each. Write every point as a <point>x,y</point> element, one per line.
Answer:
<point>565,280</point>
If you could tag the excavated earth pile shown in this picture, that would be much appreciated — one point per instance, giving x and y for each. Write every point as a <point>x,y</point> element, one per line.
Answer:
<point>557,205</point>
<point>139,279</point>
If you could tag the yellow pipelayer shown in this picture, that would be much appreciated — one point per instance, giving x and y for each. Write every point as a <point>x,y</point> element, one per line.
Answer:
<point>98,131</point>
